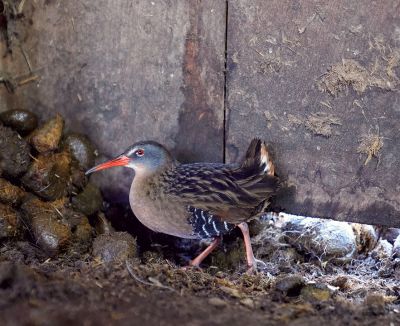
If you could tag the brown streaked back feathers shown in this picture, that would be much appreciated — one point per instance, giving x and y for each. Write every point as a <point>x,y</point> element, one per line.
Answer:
<point>231,192</point>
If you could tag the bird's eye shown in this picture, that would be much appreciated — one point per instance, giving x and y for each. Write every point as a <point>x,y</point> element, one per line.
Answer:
<point>140,152</point>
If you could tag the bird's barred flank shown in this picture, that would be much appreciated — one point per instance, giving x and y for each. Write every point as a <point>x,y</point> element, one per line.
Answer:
<point>206,225</point>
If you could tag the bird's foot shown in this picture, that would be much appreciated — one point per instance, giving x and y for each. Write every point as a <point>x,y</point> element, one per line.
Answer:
<point>256,266</point>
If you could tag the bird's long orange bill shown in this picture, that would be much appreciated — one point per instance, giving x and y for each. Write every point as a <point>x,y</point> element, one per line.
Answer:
<point>119,161</point>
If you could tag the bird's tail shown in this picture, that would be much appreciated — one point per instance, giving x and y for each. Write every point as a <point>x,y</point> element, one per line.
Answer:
<point>258,159</point>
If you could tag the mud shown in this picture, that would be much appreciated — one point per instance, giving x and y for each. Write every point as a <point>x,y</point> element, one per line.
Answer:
<point>86,290</point>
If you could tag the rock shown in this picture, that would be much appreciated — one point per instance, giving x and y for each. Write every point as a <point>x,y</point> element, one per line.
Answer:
<point>315,293</point>
<point>391,234</point>
<point>102,225</point>
<point>9,222</point>
<point>366,237</point>
<point>78,178</point>
<point>49,176</point>
<point>14,153</point>
<point>325,239</point>
<point>383,250</point>
<point>22,121</point>
<point>89,201</point>
<point>114,247</point>
<point>49,230</point>
<point>82,231</point>
<point>81,149</point>
<point>290,285</point>
<point>341,282</point>
<point>217,302</point>
<point>396,248</point>
<point>375,303</point>
<point>47,137</point>
<point>10,194</point>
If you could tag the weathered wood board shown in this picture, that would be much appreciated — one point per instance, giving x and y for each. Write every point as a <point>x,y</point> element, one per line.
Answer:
<point>321,122</point>
<point>122,71</point>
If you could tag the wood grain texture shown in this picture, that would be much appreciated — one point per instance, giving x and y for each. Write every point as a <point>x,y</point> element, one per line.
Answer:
<point>279,53</point>
<point>122,71</point>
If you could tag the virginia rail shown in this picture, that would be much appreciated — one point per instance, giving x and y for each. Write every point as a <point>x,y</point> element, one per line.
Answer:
<point>197,200</point>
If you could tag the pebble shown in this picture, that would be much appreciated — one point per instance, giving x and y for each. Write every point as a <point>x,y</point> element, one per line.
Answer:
<point>14,153</point>
<point>114,247</point>
<point>290,285</point>
<point>81,149</point>
<point>47,137</point>
<point>101,224</point>
<point>396,248</point>
<point>20,120</point>
<point>383,250</point>
<point>89,201</point>
<point>391,234</point>
<point>49,176</point>
<point>49,231</point>
<point>326,239</point>
<point>10,194</point>
<point>366,237</point>
<point>315,293</point>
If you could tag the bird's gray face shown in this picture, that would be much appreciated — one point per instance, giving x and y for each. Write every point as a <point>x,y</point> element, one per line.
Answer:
<point>146,158</point>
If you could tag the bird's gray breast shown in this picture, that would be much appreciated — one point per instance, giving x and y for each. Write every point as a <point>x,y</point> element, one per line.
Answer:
<point>161,215</point>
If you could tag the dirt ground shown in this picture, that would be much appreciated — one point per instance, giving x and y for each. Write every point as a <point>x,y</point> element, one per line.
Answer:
<point>86,290</point>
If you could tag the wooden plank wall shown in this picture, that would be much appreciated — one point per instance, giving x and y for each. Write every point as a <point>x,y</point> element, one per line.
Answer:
<point>122,71</point>
<point>320,121</point>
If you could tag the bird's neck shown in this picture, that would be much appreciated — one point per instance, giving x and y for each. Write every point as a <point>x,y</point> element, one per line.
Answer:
<point>145,177</point>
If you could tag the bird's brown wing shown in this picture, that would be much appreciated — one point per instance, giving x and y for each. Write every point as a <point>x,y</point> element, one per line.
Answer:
<point>234,194</point>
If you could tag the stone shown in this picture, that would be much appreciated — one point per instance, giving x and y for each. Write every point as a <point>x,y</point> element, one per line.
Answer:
<point>81,149</point>
<point>14,153</point>
<point>47,137</point>
<point>49,176</point>
<point>116,247</point>
<point>396,248</point>
<point>391,234</point>
<point>50,232</point>
<point>101,224</point>
<point>315,293</point>
<point>326,239</point>
<point>290,285</point>
<point>22,121</point>
<point>89,201</point>
<point>366,237</point>
<point>10,194</point>
<point>382,251</point>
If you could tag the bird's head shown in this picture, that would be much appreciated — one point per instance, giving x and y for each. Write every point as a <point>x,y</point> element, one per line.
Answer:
<point>145,158</point>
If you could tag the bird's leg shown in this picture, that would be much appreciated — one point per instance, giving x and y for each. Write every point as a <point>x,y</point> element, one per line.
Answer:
<point>251,260</point>
<point>197,261</point>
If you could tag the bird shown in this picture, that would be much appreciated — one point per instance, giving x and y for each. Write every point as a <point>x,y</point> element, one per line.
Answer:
<point>198,200</point>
